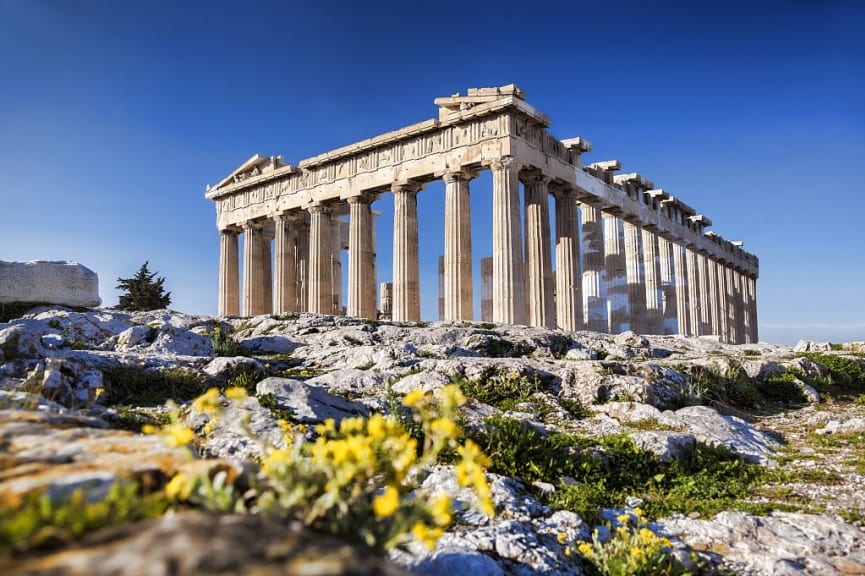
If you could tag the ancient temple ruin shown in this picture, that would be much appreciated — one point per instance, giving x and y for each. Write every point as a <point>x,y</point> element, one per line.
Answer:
<point>627,255</point>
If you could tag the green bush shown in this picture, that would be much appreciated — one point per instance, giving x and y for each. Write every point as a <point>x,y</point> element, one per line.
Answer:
<point>224,344</point>
<point>140,387</point>
<point>846,375</point>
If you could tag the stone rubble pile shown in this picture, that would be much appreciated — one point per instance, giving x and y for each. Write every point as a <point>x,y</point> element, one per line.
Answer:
<point>335,367</point>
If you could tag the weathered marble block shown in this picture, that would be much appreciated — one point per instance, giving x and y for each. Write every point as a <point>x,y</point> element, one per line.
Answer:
<point>43,282</point>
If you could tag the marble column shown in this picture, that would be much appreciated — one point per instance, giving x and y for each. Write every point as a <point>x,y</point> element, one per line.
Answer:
<point>538,265</point>
<point>336,247</point>
<point>406,295</point>
<point>705,294</point>
<point>458,248</point>
<point>386,291</point>
<point>723,302</point>
<point>509,298</point>
<point>595,311</point>
<point>752,304</point>
<point>303,263</point>
<point>569,297</point>
<point>635,277</point>
<point>320,253</point>
<point>693,292</point>
<point>487,289</point>
<point>667,261</point>
<point>714,300</point>
<point>266,240</point>
<point>255,270</point>
<point>652,276</point>
<point>683,317</point>
<point>361,283</point>
<point>616,274</point>
<point>229,274</point>
<point>738,277</point>
<point>730,299</point>
<point>284,265</point>
<point>441,287</point>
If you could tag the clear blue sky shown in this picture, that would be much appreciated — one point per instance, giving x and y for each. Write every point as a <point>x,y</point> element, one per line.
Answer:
<point>114,115</point>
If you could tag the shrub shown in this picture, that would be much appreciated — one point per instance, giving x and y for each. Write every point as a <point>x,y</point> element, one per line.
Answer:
<point>132,385</point>
<point>846,375</point>
<point>224,344</point>
<point>497,387</point>
<point>144,291</point>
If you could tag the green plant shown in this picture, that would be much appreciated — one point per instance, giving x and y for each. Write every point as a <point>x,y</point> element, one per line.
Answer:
<point>499,387</point>
<point>132,385</point>
<point>634,550</point>
<point>37,521</point>
<point>144,291</point>
<point>352,340</point>
<point>134,418</point>
<point>846,375</point>
<point>270,402</point>
<point>359,479</point>
<point>782,388</point>
<point>224,343</point>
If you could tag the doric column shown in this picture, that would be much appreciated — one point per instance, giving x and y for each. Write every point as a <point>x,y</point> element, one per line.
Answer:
<point>752,305</point>
<point>569,297</point>
<point>616,274</point>
<point>441,287</point>
<point>487,289</point>
<point>267,276</point>
<point>714,300</point>
<point>593,268</point>
<point>284,265</point>
<point>705,294</point>
<point>667,260</point>
<point>406,296</point>
<point>303,262</point>
<point>693,292</point>
<point>336,246</point>
<point>723,302</point>
<point>652,277</point>
<point>255,270</point>
<point>509,299</point>
<point>361,283</point>
<point>538,265</point>
<point>730,299</point>
<point>320,253</point>
<point>458,248</point>
<point>636,280</point>
<point>740,307</point>
<point>229,278</point>
<point>386,291</point>
<point>683,315</point>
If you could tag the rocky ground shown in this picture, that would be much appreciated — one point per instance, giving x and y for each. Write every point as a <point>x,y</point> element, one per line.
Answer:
<point>71,381</point>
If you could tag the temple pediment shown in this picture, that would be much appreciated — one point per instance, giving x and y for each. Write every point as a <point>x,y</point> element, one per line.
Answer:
<point>255,166</point>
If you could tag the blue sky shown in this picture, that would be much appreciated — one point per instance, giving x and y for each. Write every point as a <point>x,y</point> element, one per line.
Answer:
<point>114,115</point>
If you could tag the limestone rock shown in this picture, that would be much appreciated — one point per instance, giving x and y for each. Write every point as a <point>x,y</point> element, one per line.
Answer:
<point>195,543</point>
<point>308,402</point>
<point>712,428</point>
<point>663,444</point>
<point>43,282</point>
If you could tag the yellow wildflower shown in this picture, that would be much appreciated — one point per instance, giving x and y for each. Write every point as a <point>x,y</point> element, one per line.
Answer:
<point>451,397</point>
<point>413,398</point>
<point>207,402</point>
<point>426,535</point>
<point>585,549</point>
<point>178,486</point>
<point>624,518</point>
<point>441,510</point>
<point>561,537</point>
<point>385,504</point>
<point>236,393</point>
<point>177,434</point>
<point>444,427</point>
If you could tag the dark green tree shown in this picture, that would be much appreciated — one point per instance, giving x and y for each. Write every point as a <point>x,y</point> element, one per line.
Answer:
<point>144,291</point>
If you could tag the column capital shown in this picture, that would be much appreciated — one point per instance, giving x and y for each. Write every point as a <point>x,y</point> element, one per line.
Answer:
<point>319,208</point>
<point>253,225</point>
<point>562,191</point>
<point>531,176</point>
<point>407,187</point>
<point>462,175</point>
<point>230,230</point>
<point>362,198</point>
<point>505,162</point>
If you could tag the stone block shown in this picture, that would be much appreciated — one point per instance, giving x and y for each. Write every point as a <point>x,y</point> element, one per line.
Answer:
<point>42,282</point>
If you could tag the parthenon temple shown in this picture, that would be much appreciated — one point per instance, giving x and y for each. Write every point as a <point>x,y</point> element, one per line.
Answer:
<point>623,254</point>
